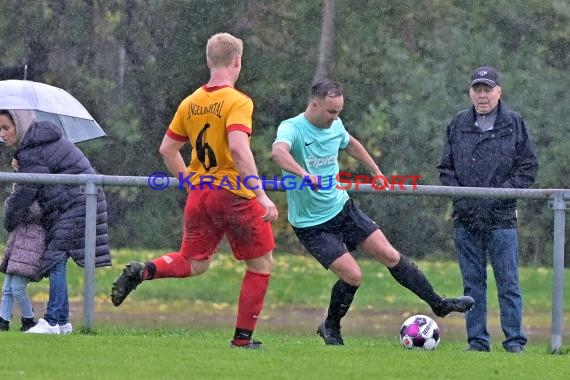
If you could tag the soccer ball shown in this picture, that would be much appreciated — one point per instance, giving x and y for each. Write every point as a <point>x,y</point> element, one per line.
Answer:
<point>419,331</point>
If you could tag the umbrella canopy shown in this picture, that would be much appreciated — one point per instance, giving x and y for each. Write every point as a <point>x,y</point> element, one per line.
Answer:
<point>51,104</point>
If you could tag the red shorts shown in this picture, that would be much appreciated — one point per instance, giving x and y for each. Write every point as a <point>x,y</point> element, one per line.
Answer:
<point>211,214</point>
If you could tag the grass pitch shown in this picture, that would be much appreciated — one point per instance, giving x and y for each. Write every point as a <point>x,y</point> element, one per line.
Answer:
<point>180,329</point>
<point>124,353</point>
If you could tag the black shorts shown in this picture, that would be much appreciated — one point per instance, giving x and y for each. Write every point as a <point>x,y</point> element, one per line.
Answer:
<point>330,240</point>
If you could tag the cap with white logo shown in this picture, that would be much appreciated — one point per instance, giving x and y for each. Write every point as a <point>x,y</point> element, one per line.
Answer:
<point>486,75</point>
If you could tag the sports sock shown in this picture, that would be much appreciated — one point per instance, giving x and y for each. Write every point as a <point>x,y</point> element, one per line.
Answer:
<point>342,295</point>
<point>170,265</point>
<point>407,273</point>
<point>242,336</point>
<point>253,289</point>
<point>149,270</point>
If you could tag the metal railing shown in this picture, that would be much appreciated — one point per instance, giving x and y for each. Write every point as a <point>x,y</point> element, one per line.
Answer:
<point>558,200</point>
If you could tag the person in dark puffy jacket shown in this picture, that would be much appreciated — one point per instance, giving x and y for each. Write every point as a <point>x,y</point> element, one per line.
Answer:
<point>41,148</point>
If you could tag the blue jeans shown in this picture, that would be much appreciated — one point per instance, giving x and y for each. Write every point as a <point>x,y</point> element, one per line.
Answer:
<point>14,288</point>
<point>57,311</point>
<point>501,246</point>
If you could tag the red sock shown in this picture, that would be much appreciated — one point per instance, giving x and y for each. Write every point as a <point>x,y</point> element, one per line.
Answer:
<point>172,265</point>
<point>252,294</point>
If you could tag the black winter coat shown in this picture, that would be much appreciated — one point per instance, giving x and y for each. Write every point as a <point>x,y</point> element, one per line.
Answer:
<point>501,157</point>
<point>45,150</point>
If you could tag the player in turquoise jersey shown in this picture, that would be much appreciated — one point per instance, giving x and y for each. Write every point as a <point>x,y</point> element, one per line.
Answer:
<point>326,221</point>
<point>318,149</point>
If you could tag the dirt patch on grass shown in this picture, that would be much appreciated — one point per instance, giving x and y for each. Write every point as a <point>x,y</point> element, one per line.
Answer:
<point>292,320</point>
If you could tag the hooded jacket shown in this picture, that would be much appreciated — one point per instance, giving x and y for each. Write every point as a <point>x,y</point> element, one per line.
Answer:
<point>25,247</point>
<point>500,157</point>
<point>23,119</point>
<point>44,150</point>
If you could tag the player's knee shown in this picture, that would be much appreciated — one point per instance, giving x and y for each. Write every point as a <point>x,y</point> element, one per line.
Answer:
<point>263,264</point>
<point>197,267</point>
<point>392,258</point>
<point>387,255</point>
<point>353,277</point>
<point>267,261</point>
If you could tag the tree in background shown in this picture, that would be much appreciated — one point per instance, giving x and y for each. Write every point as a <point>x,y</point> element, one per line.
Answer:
<point>327,41</point>
<point>404,66</point>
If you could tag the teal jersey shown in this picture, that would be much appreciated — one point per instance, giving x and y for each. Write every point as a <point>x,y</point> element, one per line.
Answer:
<point>315,150</point>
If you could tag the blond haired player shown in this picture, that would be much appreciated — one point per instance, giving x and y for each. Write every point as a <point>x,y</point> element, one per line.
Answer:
<point>216,120</point>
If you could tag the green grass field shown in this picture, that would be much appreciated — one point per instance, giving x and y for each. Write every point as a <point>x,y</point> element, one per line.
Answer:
<point>180,328</point>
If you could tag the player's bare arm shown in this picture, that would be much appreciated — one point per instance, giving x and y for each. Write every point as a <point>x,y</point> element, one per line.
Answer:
<point>281,154</point>
<point>170,152</point>
<point>356,150</point>
<point>245,164</point>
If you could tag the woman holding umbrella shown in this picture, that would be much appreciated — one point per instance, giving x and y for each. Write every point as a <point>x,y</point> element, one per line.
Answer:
<point>41,148</point>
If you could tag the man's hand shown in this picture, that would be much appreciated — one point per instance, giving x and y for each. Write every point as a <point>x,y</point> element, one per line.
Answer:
<point>381,182</point>
<point>314,179</point>
<point>271,213</point>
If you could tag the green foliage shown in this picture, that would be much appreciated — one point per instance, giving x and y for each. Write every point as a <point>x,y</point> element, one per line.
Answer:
<point>405,67</point>
<point>424,74</point>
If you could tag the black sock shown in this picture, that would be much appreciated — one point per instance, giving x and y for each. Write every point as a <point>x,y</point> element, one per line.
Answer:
<point>409,275</point>
<point>342,295</point>
<point>243,334</point>
<point>150,269</point>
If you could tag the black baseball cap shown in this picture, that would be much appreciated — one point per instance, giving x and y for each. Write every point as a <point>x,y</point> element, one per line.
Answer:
<point>486,75</point>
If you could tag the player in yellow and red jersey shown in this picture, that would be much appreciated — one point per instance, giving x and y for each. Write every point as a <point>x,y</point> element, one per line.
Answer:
<point>216,120</point>
<point>205,119</point>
